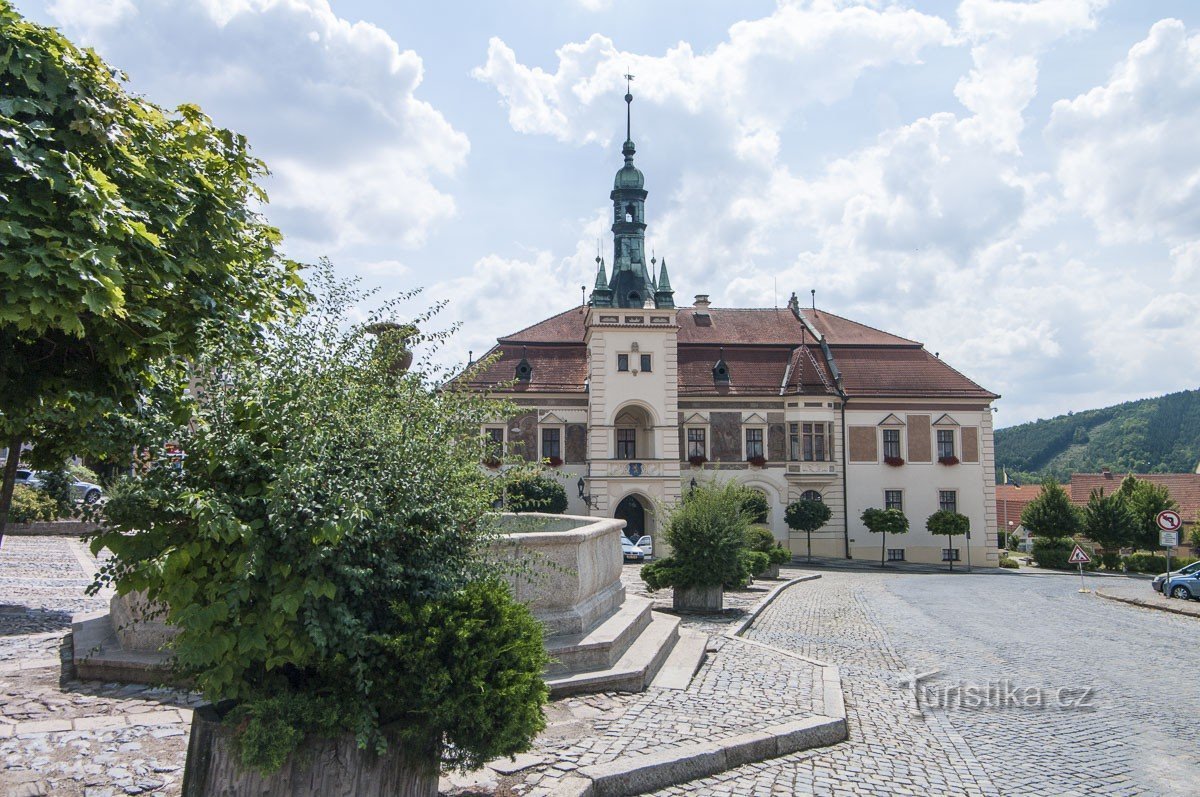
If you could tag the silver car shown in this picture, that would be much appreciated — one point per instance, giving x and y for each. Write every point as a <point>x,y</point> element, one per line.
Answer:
<point>1188,570</point>
<point>80,490</point>
<point>1187,586</point>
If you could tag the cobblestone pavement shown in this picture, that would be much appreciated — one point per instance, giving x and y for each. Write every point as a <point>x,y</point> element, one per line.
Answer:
<point>60,736</point>
<point>1037,631</point>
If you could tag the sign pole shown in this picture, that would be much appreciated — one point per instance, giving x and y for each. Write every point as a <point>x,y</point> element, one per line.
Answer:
<point>1079,557</point>
<point>1082,588</point>
<point>1169,522</point>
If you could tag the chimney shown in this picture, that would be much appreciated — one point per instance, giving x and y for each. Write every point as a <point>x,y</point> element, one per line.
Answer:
<point>702,301</point>
<point>1106,473</point>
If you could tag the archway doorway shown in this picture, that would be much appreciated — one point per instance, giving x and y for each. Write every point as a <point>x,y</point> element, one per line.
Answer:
<point>634,514</point>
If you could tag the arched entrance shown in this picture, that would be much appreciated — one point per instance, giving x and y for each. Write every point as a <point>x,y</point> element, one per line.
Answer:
<point>633,513</point>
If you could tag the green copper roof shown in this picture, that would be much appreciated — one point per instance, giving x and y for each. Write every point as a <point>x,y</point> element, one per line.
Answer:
<point>629,177</point>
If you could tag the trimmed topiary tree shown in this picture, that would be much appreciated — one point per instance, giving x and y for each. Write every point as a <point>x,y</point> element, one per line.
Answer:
<point>760,540</point>
<point>320,553</point>
<point>807,516</point>
<point>756,506</point>
<point>882,521</point>
<point>532,492</point>
<point>948,524</point>
<point>707,535</point>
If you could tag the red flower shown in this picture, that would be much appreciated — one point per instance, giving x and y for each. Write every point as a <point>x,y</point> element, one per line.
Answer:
<point>950,460</point>
<point>895,462</point>
<point>697,461</point>
<point>554,462</point>
<point>757,462</point>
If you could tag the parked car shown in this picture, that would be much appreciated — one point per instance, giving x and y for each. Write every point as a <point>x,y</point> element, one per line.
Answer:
<point>1188,570</point>
<point>1187,586</point>
<point>646,544</point>
<point>631,552</point>
<point>80,490</point>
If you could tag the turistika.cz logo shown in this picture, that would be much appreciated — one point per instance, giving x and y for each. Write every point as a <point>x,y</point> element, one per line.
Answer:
<point>991,695</point>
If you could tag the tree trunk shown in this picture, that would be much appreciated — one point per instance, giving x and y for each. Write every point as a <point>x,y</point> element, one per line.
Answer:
<point>10,480</point>
<point>320,768</point>
<point>808,538</point>
<point>883,550</point>
<point>951,538</point>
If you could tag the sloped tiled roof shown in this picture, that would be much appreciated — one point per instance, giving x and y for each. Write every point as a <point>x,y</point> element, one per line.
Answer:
<point>883,371</point>
<point>556,369</point>
<point>1183,487</point>
<point>872,362</point>
<point>1011,500</point>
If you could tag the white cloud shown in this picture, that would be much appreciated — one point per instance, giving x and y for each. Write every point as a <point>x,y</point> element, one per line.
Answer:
<point>817,50</point>
<point>330,104</point>
<point>1126,150</point>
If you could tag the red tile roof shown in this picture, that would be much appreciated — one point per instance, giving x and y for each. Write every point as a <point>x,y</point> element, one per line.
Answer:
<point>882,371</point>
<point>1183,487</point>
<point>556,369</point>
<point>872,362</point>
<point>1011,500</point>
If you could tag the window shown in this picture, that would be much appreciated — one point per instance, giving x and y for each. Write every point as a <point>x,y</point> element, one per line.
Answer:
<point>646,363</point>
<point>810,495</point>
<point>816,437</point>
<point>697,442</point>
<point>494,439</point>
<point>622,362</point>
<point>754,443</point>
<point>893,499</point>
<point>552,443</point>
<point>948,500</point>
<point>895,554</point>
<point>627,444</point>
<point>945,443</point>
<point>891,443</point>
<point>794,442</point>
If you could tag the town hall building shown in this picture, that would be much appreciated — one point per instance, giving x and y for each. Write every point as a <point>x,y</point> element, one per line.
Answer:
<point>632,399</point>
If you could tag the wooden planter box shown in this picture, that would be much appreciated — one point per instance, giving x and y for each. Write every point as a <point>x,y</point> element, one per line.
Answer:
<point>321,768</point>
<point>699,599</point>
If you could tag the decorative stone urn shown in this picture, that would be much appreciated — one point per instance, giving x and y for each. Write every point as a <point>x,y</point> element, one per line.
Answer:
<point>707,599</point>
<point>772,571</point>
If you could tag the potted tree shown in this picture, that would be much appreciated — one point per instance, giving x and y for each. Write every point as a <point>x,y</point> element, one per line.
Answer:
<point>760,540</point>
<point>532,492</point>
<point>807,516</point>
<point>882,521</point>
<point>948,524</point>
<point>707,536</point>
<point>319,552</point>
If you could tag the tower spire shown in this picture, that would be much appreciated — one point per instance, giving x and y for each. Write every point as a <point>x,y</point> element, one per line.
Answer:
<point>628,107</point>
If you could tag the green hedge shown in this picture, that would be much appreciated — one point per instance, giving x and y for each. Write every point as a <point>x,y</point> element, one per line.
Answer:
<point>30,505</point>
<point>1053,553</point>
<point>1145,562</point>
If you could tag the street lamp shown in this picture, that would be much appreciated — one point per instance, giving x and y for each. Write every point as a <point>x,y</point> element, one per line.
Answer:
<point>583,495</point>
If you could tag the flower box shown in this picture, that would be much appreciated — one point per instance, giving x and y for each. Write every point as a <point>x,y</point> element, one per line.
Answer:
<point>697,461</point>
<point>895,462</point>
<point>757,462</point>
<point>950,460</point>
<point>492,462</point>
<point>554,462</point>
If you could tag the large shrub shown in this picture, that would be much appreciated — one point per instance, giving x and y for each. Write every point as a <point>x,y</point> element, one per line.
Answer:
<point>1143,562</point>
<point>707,535</point>
<point>755,505</point>
<point>30,505</point>
<point>1053,553</point>
<point>531,492</point>
<point>1051,514</point>
<point>761,540</point>
<point>1145,500</point>
<point>321,546</point>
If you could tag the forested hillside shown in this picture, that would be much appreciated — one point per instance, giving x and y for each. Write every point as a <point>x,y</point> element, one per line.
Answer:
<point>1158,435</point>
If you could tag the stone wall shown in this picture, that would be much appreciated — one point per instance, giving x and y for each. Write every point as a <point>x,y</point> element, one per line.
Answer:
<point>52,528</point>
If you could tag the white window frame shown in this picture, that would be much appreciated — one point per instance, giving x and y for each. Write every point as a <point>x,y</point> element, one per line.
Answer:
<point>953,490</point>
<point>503,427</point>
<point>562,439</point>
<point>627,367</point>
<point>937,444</point>
<point>887,490</point>
<point>616,443</point>
<point>883,443</point>
<point>702,427</point>
<point>765,442</point>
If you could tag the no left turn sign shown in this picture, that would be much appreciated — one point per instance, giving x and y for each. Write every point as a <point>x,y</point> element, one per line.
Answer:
<point>1168,520</point>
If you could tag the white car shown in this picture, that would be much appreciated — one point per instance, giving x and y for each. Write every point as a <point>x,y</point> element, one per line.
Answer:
<point>646,545</point>
<point>80,490</point>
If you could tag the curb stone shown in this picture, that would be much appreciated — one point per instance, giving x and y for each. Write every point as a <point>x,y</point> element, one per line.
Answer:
<point>671,766</point>
<point>1145,604</point>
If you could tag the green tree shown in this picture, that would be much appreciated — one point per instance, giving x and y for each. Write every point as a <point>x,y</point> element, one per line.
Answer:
<point>532,492</point>
<point>948,524</point>
<point>756,505</point>
<point>321,546</point>
<point>1051,514</point>
<point>707,535</point>
<point>1108,522</point>
<point>882,521</point>
<point>1145,500</point>
<point>807,516</point>
<point>125,232</point>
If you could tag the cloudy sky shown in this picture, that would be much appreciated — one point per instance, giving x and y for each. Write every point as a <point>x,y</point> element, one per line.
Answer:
<point>1017,184</point>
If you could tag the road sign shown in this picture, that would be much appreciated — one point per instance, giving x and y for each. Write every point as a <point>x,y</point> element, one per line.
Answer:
<point>1168,520</point>
<point>1168,539</point>
<point>1079,557</point>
